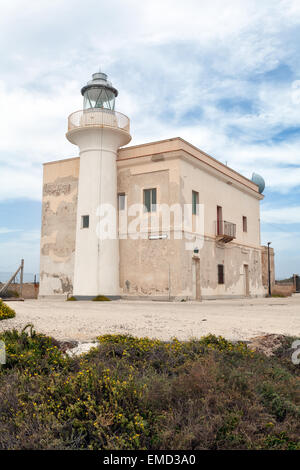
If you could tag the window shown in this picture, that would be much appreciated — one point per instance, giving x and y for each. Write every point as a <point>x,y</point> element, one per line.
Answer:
<point>85,221</point>
<point>121,201</point>
<point>150,200</point>
<point>221,274</point>
<point>195,202</point>
<point>245,228</point>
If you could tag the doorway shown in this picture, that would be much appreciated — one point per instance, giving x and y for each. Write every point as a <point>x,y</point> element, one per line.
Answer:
<point>246,281</point>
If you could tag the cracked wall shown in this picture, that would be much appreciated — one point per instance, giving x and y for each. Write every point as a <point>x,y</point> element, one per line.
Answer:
<point>60,186</point>
<point>150,267</point>
<point>217,190</point>
<point>156,268</point>
<point>234,257</point>
<point>165,267</point>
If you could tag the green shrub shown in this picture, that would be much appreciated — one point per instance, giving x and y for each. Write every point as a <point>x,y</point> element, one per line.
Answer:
<point>139,393</point>
<point>71,299</point>
<point>6,311</point>
<point>280,296</point>
<point>101,298</point>
<point>10,294</point>
<point>29,350</point>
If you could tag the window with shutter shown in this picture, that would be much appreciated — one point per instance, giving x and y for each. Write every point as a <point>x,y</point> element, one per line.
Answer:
<point>221,274</point>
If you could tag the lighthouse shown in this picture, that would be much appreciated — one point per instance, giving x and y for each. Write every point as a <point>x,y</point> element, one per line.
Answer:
<point>98,131</point>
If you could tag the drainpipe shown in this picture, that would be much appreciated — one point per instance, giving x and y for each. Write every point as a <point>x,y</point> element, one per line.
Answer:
<point>169,281</point>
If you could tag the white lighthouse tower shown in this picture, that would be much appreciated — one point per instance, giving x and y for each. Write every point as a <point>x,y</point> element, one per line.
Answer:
<point>99,131</point>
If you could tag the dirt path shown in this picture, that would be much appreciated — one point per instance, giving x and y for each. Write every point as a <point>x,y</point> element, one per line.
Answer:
<point>233,319</point>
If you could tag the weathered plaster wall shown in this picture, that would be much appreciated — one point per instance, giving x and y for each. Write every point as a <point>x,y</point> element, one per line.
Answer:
<point>216,190</point>
<point>234,257</point>
<point>150,267</point>
<point>60,186</point>
<point>236,202</point>
<point>167,267</point>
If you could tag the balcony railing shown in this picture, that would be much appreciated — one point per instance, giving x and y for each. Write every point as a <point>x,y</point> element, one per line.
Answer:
<point>98,117</point>
<point>225,231</point>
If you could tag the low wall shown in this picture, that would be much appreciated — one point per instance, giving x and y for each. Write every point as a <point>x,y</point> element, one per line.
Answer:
<point>30,290</point>
<point>283,289</point>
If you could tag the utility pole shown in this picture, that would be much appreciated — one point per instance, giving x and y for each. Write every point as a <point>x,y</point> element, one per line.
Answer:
<point>269,270</point>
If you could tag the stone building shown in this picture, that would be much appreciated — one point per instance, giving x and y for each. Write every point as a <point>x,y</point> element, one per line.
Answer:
<point>196,234</point>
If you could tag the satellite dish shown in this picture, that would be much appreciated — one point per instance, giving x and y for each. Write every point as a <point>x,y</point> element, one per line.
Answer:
<point>257,179</point>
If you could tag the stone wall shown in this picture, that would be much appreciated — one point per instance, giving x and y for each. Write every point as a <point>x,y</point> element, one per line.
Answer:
<point>30,290</point>
<point>283,289</point>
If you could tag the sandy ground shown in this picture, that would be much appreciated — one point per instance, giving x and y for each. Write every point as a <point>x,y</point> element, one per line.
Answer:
<point>233,319</point>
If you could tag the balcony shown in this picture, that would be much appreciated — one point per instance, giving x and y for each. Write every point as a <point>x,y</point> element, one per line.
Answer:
<point>225,231</point>
<point>98,117</point>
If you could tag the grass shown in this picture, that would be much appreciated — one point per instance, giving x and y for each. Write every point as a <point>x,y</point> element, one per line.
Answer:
<point>98,298</point>
<point>130,393</point>
<point>101,298</point>
<point>5,311</point>
<point>10,294</point>
<point>281,296</point>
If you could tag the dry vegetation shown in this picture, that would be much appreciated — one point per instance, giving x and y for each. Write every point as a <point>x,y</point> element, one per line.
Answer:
<point>131,393</point>
<point>5,311</point>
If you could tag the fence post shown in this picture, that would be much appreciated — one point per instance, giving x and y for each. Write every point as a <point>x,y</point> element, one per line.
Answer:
<point>21,278</point>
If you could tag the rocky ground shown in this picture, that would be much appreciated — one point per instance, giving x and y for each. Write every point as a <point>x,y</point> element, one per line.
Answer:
<point>233,319</point>
<point>266,344</point>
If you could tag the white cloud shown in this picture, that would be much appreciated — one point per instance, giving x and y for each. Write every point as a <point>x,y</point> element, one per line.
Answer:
<point>5,230</point>
<point>176,65</point>
<point>19,182</point>
<point>178,55</point>
<point>287,253</point>
<point>20,246</point>
<point>33,123</point>
<point>284,215</point>
<point>166,58</point>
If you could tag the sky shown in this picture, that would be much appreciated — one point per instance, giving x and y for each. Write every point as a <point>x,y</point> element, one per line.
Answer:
<point>223,75</point>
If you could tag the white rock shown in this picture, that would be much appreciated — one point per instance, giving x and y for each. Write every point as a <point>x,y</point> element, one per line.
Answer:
<point>81,349</point>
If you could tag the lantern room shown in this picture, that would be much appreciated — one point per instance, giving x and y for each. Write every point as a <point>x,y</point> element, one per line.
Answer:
<point>99,93</point>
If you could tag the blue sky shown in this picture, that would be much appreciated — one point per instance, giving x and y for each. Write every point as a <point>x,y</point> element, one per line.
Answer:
<point>223,75</point>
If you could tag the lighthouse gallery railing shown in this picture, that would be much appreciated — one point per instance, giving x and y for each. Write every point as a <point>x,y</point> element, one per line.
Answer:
<point>98,117</point>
